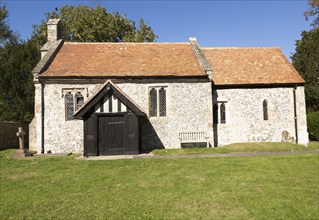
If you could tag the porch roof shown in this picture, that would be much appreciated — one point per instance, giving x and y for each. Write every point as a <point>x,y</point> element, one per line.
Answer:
<point>108,87</point>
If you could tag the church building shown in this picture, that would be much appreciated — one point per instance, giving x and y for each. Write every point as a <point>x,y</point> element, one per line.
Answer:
<point>128,98</point>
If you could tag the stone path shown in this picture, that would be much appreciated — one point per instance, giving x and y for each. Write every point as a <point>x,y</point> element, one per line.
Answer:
<point>234,154</point>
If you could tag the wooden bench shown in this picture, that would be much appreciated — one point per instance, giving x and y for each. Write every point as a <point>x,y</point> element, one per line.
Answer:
<point>193,137</point>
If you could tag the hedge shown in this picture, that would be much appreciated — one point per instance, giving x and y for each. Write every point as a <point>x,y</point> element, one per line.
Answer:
<point>313,125</point>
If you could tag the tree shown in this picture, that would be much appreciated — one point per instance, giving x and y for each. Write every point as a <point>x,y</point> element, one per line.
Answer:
<point>17,90</point>
<point>18,58</point>
<point>305,60</point>
<point>306,57</point>
<point>313,12</point>
<point>6,35</point>
<point>87,24</point>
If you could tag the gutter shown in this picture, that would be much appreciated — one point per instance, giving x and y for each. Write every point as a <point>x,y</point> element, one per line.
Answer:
<point>295,113</point>
<point>118,78</point>
<point>256,85</point>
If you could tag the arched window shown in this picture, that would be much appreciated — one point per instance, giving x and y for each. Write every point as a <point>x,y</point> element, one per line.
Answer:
<point>215,113</point>
<point>79,100</point>
<point>162,102</point>
<point>222,113</point>
<point>153,102</point>
<point>69,106</point>
<point>265,109</point>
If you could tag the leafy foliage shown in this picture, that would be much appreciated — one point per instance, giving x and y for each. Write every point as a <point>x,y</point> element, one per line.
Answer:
<point>17,90</point>
<point>87,24</point>
<point>306,57</point>
<point>313,12</point>
<point>305,60</point>
<point>313,125</point>
<point>18,58</point>
<point>6,35</point>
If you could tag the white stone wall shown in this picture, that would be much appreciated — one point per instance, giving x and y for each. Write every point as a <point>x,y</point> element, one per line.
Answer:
<point>35,125</point>
<point>189,108</point>
<point>244,115</point>
<point>303,137</point>
<point>60,135</point>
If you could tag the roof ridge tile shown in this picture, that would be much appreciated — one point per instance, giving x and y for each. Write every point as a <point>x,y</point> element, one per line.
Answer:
<point>158,43</point>
<point>214,48</point>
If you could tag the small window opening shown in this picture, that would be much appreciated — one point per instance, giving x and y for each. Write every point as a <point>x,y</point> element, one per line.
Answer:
<point>79,100</point>
<point>265,109</point>
<point>162,102</point>
<point>215,113</point>
<point>69,106</point>
<point>222,113</point>
<point>153,102</point>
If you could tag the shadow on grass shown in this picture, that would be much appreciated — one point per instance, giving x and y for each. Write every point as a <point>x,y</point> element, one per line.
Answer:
<point>8,148</point>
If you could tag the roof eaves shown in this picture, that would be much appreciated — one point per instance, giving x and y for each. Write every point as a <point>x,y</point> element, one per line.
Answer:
<point>291,66</point>
<point>127,77</point>
<point>257,85</point>
<point>46,60</point>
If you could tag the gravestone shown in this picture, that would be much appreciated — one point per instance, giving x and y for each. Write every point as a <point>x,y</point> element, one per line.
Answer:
<point>286,138</point>
<point>21,152</point>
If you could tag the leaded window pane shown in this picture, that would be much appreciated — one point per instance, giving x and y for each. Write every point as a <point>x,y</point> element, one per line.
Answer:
<point>223,113</point>
<point>153,103</point>
<point>79,100</point>
<point>162,102</point>
<point>215,113</point>
<point>69,106</point>
<point>265,109</point>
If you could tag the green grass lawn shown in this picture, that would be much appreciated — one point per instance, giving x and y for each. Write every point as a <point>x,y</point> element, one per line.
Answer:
<point>261,187</point>
<point>240,147</point>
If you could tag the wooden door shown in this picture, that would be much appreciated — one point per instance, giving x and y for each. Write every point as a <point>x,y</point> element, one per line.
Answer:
<point>112,135</point>
<point>91,136</point>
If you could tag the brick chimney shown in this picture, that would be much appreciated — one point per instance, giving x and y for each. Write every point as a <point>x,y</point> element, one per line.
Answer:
<point>52,35</point>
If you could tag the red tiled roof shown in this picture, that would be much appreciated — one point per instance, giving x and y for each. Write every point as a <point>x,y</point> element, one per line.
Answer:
<point>231,66</point>
<point>234,66</point>
<point>125,59</point>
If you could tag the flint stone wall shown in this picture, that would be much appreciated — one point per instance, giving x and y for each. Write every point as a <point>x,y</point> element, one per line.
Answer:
<point>60,135</point>
<point>189,108</point>
<point>244,115</point>
<point>35,125</point>
<point>303,136</point>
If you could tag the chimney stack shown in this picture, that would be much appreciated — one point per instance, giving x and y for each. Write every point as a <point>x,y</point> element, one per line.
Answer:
<point>52,36</point>
<point>53,30</point>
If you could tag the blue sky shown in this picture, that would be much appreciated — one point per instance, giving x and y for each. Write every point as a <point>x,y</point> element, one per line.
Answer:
<point>214,23</point>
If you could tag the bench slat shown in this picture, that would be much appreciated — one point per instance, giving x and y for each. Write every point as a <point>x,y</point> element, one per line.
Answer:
<point>193,137</point>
